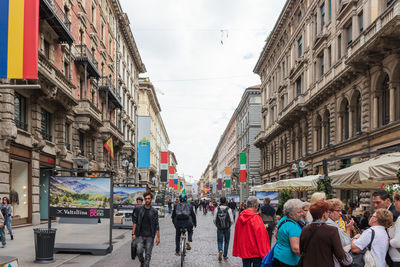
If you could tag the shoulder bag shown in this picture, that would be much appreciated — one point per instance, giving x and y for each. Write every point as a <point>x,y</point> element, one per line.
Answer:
<point>364,258</point>
<point>303,253</point>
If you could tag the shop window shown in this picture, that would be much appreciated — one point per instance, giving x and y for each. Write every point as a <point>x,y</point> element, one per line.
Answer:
<point>19,191</point>
<point>45,129</point>
<point>20,111</point>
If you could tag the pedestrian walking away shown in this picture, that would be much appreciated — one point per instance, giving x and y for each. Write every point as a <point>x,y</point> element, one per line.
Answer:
<point>2,231</point>
<point>223,219</point>
<point>183,217</point>
<point>6,209</point>
<point>232,205</point>
<point>251,242</point>
<point>145,229</point>
<point>268,216</point>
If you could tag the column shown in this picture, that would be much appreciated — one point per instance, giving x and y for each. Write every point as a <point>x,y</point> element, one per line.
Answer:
<point>392,108</point>
<point>324,124</point>
<point>339,127</point>
<point>375,112</point>
<point>351,126</point>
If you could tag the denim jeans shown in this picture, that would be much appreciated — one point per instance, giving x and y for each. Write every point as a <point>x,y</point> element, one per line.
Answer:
<point>221,235</point>
<point>144,244</point>
<point>8,224</point>
<point>255,262</point>
<point>3,236</point>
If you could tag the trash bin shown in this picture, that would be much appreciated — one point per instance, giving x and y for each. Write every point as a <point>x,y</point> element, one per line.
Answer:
<point>44,244</point>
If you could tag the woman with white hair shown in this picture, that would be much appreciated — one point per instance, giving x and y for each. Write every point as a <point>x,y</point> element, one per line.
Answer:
<point>287,248</point>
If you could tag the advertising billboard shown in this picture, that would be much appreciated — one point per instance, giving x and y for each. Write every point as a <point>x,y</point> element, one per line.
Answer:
<point>125,197</point>
<point>272,195</point>
<point>85,197</point>
<point>235,197</point>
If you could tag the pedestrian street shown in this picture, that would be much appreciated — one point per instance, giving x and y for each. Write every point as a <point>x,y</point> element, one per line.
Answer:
<point>204,250</point>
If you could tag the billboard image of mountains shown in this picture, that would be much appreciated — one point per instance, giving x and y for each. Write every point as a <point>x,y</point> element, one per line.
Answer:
<point>80,192</point>
<point>125,197</point>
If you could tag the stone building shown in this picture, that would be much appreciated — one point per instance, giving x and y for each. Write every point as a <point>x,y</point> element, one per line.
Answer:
<point>74,111</point>
<point>330,73</point>
<point>148,105</point>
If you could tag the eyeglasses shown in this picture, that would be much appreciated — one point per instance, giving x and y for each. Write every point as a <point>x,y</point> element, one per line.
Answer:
<point>338,210</point>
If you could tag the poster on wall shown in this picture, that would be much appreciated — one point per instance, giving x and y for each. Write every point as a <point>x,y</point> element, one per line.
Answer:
<point>273,196</point>
<point>125,197</point>
<point>84,197</point>
<point>235,197</point>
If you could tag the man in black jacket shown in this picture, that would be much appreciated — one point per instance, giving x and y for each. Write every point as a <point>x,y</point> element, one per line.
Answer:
<point>145,228</point>
<point>381,199</point>
<point>232,205</point>
<point>183,216</point>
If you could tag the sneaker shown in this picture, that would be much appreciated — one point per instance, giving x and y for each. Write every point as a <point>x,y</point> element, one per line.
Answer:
<point>177,254</point>
<point>3,246</point>
<point>225,258</point>
<point>188,247</point>
<point>220,256</point>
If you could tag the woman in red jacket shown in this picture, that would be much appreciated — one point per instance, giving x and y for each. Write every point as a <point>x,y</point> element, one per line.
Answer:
<point>251,242</point>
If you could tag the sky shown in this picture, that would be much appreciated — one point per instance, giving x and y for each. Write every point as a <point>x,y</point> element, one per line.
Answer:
<point>200,56</point>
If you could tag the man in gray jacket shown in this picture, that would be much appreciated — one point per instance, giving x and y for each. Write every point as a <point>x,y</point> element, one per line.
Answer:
<point>223,219</point>
<point>2,230</point>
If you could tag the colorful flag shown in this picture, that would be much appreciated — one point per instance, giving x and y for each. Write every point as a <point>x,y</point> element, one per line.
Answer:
<point>243,168</point>
<point>219,184</point>
<point>19,39</point>
<point>110,147</point>
<point>163,167</point>
<point>144,139</point>
<point>227,177</point>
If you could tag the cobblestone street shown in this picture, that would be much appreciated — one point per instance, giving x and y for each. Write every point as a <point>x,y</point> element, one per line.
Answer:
<point>203,253</point>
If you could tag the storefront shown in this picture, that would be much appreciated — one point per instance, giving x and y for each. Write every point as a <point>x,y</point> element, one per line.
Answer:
<point>21,185</point>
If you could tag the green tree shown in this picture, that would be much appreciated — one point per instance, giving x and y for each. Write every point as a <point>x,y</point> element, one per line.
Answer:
<point>284,195</point>
<point>325,185</point>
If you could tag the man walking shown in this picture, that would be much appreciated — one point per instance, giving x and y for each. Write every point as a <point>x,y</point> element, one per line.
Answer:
<point>139,202</point>
<point>251,242</point>
<point>223,219</point>
<point>232,205</point>
<point>381,200</point>
<point>183,217</point>
<point>145,228</point>
<point>268,216</point>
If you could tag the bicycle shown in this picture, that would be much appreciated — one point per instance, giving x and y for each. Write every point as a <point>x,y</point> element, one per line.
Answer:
<point>182,245</point>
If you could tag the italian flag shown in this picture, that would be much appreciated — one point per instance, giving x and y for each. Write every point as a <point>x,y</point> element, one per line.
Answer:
<point>243,168</point>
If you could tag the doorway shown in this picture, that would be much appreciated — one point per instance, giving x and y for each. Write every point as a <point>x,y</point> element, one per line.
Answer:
<point>44,193</point>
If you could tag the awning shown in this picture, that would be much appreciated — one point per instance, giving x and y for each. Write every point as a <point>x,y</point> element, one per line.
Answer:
<point>369,174</point>
<point>297,184</point>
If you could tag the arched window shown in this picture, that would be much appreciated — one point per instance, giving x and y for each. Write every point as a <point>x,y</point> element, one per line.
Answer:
<point>327,127</point>
<point>281,150</point>
<point>318,130</point>
<point>284,150</point>
<point>357,114</point>
<point>345,119</point>
<point>385,101</point>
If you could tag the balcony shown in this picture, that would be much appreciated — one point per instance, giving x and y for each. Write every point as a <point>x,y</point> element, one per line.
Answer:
<point>85,57</point>
<point>57,19</point>
<point>111,130</point>
<point>344,8</point>
<point>88,116</point>
<point>106,85</point>
<point>292,111</point>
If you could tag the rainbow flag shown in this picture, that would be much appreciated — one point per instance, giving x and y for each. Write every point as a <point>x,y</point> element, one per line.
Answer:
<point>110,147</point>
<point>19,39</point>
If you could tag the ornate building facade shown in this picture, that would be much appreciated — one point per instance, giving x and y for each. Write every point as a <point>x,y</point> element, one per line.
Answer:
<point>330,73</point>
<point>74,109</point>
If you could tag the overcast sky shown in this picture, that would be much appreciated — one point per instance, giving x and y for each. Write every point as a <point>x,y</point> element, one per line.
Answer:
<point>200,56</point>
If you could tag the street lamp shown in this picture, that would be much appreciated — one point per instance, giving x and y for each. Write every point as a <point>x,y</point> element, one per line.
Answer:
<point>128,165</point>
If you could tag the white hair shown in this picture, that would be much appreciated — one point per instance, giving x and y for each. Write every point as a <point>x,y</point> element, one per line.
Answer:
<point>291,206</point>
<point>252,202</point>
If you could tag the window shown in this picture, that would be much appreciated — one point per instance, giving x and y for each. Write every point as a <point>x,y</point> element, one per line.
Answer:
<point>319,132</point>
<point>330,10</point>
<point>316,24</point>
<point>339,44</point>
<point>283,69</point>
<point>345,119</point>
<point>82,88</point>
<point>93,13</point>
<point>82,143</point>
<point>298,86</point>
<point>66,68</point>
<point>45,129</point>
<point>67,138</point>
<point>20,111</point>
<point>46,49</point>
<point>315,72</point>
<point>322,16</point>
<point>358,114</point>
<point>300,46</point>
<point>321,64</point>
<point>327,128</point>
<point>299,16</point>
<point>385,101</point>
<point>349,33</point>
<point>93,149</point>
<point>388,2</point>
<point>361,21</point>
<point>329,57</point>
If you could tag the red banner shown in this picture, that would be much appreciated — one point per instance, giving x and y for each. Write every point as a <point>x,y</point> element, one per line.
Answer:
<point>243,176</point>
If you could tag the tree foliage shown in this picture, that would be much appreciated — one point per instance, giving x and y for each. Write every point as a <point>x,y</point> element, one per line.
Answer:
<point>284,195</point>
<point>325,185</point>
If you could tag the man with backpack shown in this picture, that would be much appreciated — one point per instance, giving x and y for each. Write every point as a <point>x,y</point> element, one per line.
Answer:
<point>183,216</point>
<point>223,219</point>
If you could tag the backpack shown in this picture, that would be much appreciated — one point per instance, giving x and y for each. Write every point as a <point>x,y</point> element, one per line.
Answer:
<point>182,211</point>
<point>4,212</point>
<point>222,220</point>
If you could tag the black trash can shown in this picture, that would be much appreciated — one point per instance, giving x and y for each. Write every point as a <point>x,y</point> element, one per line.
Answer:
<point>44,244</point>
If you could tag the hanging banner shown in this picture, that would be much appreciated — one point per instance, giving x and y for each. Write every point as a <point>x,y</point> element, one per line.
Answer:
<point>84,197</point>
<point>171,176</point>
<point>144,124</point>
<point>214,187</point>
<point>164,167</point>
<point>227,177</point>
<point>195,189</point>
<point>219,184</point>
<point>243,168</point>
<point>19,39</point>
<point>125,197</point>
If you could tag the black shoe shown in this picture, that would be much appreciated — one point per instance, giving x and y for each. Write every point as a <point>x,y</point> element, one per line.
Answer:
<point>12,237</point>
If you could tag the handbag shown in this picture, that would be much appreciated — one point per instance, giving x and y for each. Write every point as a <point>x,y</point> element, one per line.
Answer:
<point>133,249</point>
<point>364,258</point>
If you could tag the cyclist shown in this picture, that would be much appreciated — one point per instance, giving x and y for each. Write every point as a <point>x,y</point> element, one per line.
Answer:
<point>183,216</point>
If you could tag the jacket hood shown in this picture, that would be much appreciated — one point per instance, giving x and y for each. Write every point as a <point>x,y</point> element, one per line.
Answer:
<point>246,216</point>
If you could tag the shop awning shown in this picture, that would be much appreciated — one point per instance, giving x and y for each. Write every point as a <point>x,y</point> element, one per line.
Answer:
<point>369,174</point>
<point>297,184</point>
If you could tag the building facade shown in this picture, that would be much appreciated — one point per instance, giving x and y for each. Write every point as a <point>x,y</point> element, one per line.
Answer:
<point>330,74</point>
<point>148,105</point>
<point>73,112</point>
